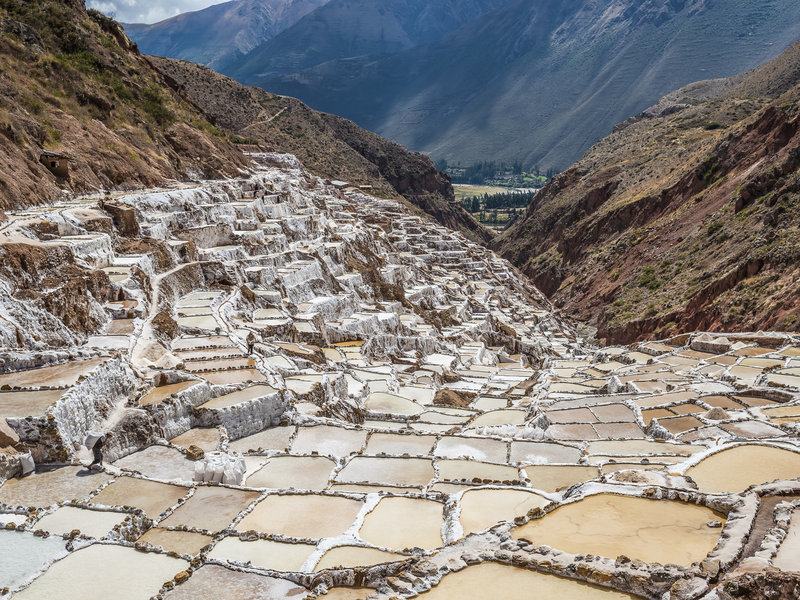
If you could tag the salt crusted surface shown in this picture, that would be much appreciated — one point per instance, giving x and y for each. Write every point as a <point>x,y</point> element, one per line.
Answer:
<point>396,370</point>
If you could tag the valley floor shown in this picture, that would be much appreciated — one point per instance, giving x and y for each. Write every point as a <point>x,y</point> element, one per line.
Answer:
<point>309,392</point>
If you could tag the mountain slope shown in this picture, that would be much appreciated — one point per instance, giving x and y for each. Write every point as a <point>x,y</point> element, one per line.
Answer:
<point>72,82</point>
<point>222,33</point>
<point>687,218</point>
<point>539,81</point>
<point>328,145</point>
<point>347,28</point>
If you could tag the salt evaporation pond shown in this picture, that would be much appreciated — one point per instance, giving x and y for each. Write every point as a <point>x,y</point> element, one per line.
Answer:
<point>208,581</point>
<point>298,472</point>
<point>394,471</point>
<point>491,580</point>
<point>52,376</point>
<point>483,508</point>
<point>94,523</point>
<point>152,497</point>
<point>611,525</point>
<point>354,556</point>
<point>104,571</point>
<point>404,523</point>
<point>47,487</point>
<point>788,556</point>
<point>737,468</point>
<point>182,542</point>
<point>24,555</point>
<point>302,516</point>
<point>278,556</point>
<point>211,508</point>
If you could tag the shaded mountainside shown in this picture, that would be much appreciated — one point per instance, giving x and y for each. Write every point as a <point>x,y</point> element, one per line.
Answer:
<point>347,28</point>
<point>73,83</point>
<point>328,145</point>
<point>222,33</point>
<point>685,218</point>
<point>536,81</point>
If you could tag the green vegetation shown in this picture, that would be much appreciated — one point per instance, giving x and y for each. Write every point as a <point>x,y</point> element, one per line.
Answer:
<point>495,174</point>
<point>649,279</point>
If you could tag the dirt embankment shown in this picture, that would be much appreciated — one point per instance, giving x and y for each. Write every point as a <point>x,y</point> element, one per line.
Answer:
<point>680,222</point>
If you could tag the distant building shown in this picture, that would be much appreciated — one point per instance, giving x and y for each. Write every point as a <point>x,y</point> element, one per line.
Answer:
<point>57,164</point>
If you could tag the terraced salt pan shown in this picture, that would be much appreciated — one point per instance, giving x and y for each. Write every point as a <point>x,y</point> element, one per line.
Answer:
<point>302,516</point>
<point>275,439</point>
<point>104,571</point>
<point>395,471</point>
<point>159,462</point>
<point>159,394</point>
<point>207,581</point>
<point>537,453</point>
<point>27,404</point>
<point>211,508</point>
<point>93,523</point>
<point>384,403</point>
<point>182,542</point>
<point>499,417</point>
<point>298,472</point>
<point>332,441</point>
<point>396,444</point>
<point>191,343</point>
<point>477,448</point>
<point>552,478</point>
<point>487,580</point>
<point>206,438</point>
<point>53,376</point>
<point>24,555</point>
<point>45,488</point>
<point>483,508</point>
<point>470,469</point>
<point>610,525</point>
<point>150,496</point>
<point>343,593</point>
<point>267,554</point>
<point>208,322</point>
<point>232,376</point>
<point>355,556</point>
<point>737,468</point>
<point>398,522</point>
<point>244,395</point>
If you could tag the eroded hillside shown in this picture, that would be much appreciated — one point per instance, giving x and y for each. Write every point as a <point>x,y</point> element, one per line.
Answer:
<point>687,220</point>
<point>73,83</point>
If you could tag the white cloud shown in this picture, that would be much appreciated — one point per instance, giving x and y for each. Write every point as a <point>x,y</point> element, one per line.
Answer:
<point>146,11</point>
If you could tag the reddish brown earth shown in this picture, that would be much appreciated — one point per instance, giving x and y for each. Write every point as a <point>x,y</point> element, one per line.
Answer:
<point>687,221</point>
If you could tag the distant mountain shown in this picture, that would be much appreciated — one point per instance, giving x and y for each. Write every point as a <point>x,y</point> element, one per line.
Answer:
<point>687,217</point>
<point>349,28</point>
<point>220,34</point>
<point>328,146</point>
<point>533,80</point>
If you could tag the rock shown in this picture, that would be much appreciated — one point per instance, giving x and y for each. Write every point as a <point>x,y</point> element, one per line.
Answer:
<point>182,577</point>
<point>710,567</point>
<point>688,589</point>
<point>195,452</point>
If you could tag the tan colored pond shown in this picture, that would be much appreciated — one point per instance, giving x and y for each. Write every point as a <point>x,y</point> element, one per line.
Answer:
<point>481,509</point>
<point>159,394</point>
<point>52,376</point>
<point>206,438</point>
<point>93,523</point>
<point>302,516</point>
<point>609,525</point>
<point>342,593</point>
<point>299,472</point>
<point>737,468</point>
<point>159,462</point>
<point>232,376</point>
<point>381,402</point>
<point>211,508</point>
<point>105,571</point>
<point>551,478</point>
<point>404,523</point>
<point>481,581</point>
<point>182,542</point>
<point>45,488</point>
<point>244,395</point>
<point>470,469</point>
<point>355,556</point>
<point>332,441</point>
<point>398,444</point>
<point>27,404</point>
<point>395,471</point>
<point>273,439</point>
<point>263,553</point>
<point>206,583</point>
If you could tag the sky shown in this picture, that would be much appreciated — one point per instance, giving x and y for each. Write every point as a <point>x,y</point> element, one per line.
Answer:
<point>146,11</point>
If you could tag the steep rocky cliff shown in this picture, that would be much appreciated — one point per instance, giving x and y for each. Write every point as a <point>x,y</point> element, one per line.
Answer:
<point>73,83</point>
<point>685,218</point>
<point>327,145</point>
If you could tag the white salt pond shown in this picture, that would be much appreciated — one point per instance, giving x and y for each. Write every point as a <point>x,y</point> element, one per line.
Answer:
<point>737,468</point>
<point>404,523</point>
<point>488,579</point>
<point>206,583</point>
<point>788,556</point>
<point>24,555</point>
<point>355,556</point>
<point>93,523</point>
<point>394,471</point>
<point>47,487</point>
<point>298,472</point>
<point>610,525</point>
<point>302,516</point>
<point>104,571</point>
<point>485,507</point>
<point>278,556</point>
